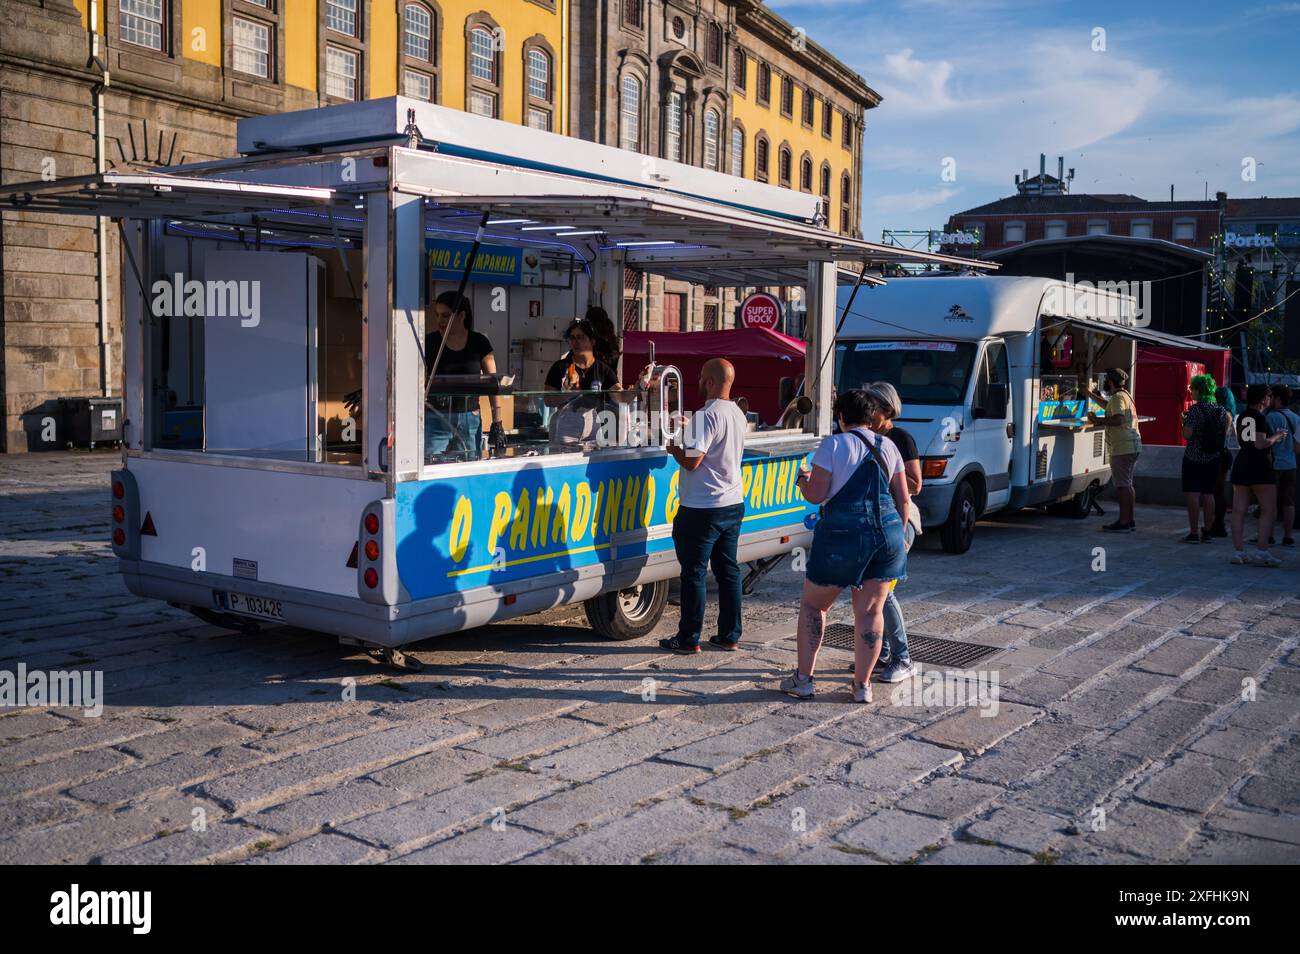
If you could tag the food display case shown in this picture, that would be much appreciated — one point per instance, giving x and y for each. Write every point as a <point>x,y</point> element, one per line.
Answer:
<point>1062,402</point>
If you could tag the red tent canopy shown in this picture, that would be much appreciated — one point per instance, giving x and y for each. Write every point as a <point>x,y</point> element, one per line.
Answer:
<point>762,358</point>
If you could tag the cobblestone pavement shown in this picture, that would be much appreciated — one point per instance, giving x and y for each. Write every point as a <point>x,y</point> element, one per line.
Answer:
<point>1147,713</point>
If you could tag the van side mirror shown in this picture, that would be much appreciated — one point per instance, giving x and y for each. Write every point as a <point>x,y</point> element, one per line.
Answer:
<point>995,403</point>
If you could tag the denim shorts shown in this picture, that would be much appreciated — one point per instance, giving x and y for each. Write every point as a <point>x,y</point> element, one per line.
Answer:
<point>848,549</point>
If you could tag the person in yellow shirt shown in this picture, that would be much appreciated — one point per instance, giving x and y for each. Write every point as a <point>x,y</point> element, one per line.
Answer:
<point>1124,443</point>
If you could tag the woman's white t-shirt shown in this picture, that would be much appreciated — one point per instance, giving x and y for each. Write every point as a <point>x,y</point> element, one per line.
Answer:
<point>842,453</point>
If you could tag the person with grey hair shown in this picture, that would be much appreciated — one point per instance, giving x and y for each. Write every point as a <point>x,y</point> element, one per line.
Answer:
<point>1123,441</point>
<point>884,405</point>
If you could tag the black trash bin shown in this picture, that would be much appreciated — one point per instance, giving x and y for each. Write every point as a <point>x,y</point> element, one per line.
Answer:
<point>46,427</point>
<point>93,420</point>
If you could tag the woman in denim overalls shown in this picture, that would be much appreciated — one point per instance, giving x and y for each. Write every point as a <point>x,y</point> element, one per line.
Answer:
<point>858,543</point>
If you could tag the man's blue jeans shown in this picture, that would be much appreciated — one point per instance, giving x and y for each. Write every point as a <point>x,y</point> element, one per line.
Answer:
<point>704,537</point>
<point>895,648</point>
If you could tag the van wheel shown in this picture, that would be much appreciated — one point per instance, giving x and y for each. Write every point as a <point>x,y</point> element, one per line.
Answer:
<point>1077,506</point>
<point>958,530</point>
<point>629,613</point>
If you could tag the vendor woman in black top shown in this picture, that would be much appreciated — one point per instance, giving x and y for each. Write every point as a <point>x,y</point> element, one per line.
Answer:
<point>452,423</point>
<point>580,369</point>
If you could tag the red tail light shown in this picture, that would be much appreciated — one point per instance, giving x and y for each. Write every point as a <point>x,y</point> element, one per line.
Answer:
<point>119,536</point>
<point>119,489</point>
<point>372,523</point>
<point>118,514</point>
<point>372,550</point>
<point>371,578</point>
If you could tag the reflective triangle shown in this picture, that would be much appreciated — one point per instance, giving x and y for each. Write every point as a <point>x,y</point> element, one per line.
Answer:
<point>352,560</point>
<point>147,528</point>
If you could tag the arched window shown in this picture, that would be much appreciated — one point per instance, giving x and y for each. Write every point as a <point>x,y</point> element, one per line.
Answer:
<point>715,44</point>
<point>539,86</point>
<point>846,204</point>
<point>712,129</point>
<point>673,126</point>
<point>420,52</point>
<point>418,36</point>
<point>483,67</point>
<point>760,158</point>
<point>741,62</point>
<point>629,114</point>
<point>784,162</point>
<point>764,93</point>
<point>826,183</point>
<point>806,173</point>
<point>737,150</point>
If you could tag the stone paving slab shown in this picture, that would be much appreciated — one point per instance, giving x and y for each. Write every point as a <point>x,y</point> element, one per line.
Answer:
<point>1162,696</point>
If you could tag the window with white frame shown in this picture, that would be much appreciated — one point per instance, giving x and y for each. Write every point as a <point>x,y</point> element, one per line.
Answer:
<point>539,75</point>
<point>340,73</point>
<point>539,118</point>
<point>417,85</point>
<point>1055,229</point>
<point>482,103</point>
<point>482,55</point>
<point>712,129</point>
<point>483,41</point>
<point>673,126</point>
<point>1098,227</point>
<point>1184,230</point>
<point>141,22</point>
<point>629,114</point>
<point>341,16</point>
<point>1140,228</point>
<point>737,151</point>
<point>418,35</point>
<point>1013,233</point>
<point>252,47</point>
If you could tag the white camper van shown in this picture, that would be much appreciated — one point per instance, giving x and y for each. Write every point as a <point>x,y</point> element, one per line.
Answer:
<point>993,373</point>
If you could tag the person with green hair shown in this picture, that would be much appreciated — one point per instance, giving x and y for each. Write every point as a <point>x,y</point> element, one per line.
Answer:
<point>1205,429</point>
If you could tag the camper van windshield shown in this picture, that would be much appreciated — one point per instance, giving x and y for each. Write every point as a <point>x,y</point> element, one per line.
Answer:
<point>923,371</point>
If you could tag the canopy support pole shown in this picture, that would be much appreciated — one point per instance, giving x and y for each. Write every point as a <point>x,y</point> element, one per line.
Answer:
<point>822,283</point>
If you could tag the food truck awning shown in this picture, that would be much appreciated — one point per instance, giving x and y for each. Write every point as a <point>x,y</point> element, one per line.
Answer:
<point>1147,335</point>
<point>152,195</point>
<point>679,236</point>
<point>696,242</point>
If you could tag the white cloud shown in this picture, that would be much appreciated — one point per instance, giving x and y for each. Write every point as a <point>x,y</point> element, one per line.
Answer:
<point>918,200</point>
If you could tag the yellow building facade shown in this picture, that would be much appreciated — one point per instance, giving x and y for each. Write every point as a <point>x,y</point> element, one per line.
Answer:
<point>504,58</point>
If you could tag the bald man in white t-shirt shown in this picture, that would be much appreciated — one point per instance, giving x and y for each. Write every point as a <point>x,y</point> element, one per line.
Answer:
<point>706,530</point>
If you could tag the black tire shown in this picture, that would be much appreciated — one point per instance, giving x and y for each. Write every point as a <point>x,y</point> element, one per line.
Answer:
<point>629,613</point>
<point>958,531</point>
<point>1076,508</point>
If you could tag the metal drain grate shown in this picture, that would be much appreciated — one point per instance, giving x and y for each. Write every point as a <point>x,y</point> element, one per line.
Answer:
<point>924,649</point>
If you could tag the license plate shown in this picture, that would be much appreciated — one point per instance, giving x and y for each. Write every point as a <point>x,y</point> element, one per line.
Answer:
<point>258,606</point>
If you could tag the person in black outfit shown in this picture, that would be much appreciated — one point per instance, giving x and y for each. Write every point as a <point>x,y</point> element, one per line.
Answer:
<point>1252,474</point>
<point>579,371</point>
<point>452,423</point>
<point>1205,429</point>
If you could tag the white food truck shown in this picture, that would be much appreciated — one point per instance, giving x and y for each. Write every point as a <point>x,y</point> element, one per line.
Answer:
<point>276,387</point>
<point>994,374</point>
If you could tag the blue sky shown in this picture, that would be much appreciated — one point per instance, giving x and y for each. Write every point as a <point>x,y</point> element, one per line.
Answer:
<point>1181,94</point>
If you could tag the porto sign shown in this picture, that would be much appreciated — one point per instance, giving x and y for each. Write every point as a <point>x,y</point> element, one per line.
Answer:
<point>956,238</point>
<point>1233,240</point>
<point>760,310</point>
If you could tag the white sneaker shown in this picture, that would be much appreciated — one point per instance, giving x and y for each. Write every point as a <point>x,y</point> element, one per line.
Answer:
<point>1239,558</point>
<point>861,692</point>
<point>798,685</point>
<point>1264,558</point>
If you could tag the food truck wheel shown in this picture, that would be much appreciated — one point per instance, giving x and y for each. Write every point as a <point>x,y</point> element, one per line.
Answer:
<point>958,530</point>
<point>629,613</point>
